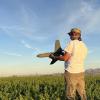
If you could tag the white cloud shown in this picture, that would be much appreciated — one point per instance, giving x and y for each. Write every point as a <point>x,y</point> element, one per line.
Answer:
<point>29,46</point>
<point>91,16</point>
<point>18,32</point>
<point>28,26</point>
<point>26,45</point>
<point>85,17</point>
<point>12,54</point>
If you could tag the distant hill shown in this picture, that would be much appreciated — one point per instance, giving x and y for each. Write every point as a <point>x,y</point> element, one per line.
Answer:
<point>93,71</point>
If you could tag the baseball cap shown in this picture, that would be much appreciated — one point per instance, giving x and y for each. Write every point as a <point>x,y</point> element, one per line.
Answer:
<point>75,30</point>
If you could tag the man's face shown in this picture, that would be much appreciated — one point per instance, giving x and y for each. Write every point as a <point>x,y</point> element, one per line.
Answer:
<point>74,35</point>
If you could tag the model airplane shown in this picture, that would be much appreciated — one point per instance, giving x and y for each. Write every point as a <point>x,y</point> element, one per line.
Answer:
<point>57,52</point>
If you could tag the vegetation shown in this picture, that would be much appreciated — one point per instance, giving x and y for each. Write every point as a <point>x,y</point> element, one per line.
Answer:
<point>47,87</point>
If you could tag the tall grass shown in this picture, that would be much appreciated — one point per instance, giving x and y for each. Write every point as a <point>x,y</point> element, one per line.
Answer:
<point>47,87</point>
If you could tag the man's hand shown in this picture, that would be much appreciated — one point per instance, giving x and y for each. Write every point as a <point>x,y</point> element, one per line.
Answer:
<point>65,57</point>
<point>52,56</point>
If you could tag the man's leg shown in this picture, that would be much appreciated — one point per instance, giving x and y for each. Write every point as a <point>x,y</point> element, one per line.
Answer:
<point>69,86</point>
<point>81,87</point>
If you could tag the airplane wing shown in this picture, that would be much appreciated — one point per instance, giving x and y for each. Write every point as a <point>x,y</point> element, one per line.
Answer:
<point>57,46</point>
<point>44,55</point>
<point>57,52</point>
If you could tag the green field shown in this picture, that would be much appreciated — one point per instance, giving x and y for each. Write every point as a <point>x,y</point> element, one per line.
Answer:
<point>47,87</point>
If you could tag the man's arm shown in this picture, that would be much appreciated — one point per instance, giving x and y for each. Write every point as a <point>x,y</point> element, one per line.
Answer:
<point>64,57</point>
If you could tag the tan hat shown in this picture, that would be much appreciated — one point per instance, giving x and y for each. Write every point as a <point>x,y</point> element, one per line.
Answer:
<point>76,30</point>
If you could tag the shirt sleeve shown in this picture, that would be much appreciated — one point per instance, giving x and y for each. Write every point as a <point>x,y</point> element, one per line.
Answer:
<point>69,47</point>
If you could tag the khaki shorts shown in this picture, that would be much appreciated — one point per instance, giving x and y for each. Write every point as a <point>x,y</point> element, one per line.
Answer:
<point>74,82</point>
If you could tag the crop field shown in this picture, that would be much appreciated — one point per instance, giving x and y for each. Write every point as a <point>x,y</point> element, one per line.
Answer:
<point>47,87</point>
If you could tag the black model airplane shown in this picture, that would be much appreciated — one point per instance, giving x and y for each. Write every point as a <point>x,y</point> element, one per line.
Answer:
<point>58,51</point>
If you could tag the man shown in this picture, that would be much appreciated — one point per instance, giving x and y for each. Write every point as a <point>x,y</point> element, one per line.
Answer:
<point>74,57</point>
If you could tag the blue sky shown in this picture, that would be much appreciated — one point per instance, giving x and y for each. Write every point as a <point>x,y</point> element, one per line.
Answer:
<point>28,27</point>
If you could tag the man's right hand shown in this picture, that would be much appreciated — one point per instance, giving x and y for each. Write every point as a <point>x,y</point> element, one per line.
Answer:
<point>52,56</point>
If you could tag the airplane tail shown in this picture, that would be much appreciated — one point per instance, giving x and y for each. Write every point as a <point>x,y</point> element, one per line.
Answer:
<point>57,45</point>
<point>58,51</point>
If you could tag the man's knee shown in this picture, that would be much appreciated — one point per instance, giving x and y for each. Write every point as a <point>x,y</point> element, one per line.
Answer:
<point>83,95</point>
<point>70,93</point>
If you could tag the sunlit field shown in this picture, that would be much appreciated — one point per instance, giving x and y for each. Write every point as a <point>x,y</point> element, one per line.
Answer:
<point>47,87</point>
